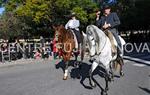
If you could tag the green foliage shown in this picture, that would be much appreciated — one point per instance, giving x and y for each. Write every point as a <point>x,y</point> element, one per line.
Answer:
<point>134,15</point>
<point>63,4</point>
<point>37,9</point>
<point>41,14</point>
<point>81,14</point>
<point>10,26</point>
<point>38,15</point>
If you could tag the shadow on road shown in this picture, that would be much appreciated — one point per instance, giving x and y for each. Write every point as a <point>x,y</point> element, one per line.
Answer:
<point>83,71</point>
<point>145,89</point>
<point>61,64</point>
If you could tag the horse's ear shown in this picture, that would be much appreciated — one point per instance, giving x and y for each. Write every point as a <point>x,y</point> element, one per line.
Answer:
<point>54,27</point>
<point>61,26</point>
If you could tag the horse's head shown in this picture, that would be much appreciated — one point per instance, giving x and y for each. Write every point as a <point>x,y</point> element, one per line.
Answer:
<point>58,32</point>
<point>91,40</point>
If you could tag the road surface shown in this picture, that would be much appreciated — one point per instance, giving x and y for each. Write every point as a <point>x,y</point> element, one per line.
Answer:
<point>41,77</point>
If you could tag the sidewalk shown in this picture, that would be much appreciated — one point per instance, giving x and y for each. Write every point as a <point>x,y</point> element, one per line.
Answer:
<point>27,61</point>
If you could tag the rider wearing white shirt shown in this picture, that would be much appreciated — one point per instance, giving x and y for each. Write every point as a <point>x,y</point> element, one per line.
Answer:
<point>74,24</point>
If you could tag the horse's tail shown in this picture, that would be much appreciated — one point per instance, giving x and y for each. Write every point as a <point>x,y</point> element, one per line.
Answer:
<point>118,63</point>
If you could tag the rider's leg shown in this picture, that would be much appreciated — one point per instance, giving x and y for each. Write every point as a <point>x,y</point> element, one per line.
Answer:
<point>110,36</point>
<point>78,35</point>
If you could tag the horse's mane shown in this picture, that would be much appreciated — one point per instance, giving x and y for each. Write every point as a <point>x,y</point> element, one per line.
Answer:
<point>98,34</point>
<point>98,30</point>
<point>64,33</point>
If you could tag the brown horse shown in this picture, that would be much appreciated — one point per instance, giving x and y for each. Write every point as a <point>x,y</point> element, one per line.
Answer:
<point>65,44</point>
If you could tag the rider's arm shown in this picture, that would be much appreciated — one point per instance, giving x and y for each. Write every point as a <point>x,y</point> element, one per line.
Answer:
<point>67,25</point>
<point>116,21</point>
<point>99,22</point>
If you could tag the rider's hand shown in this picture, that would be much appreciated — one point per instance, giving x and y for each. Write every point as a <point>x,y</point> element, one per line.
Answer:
<point>105,26</point>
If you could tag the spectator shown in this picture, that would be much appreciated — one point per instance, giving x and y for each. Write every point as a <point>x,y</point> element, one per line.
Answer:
<point>42,41</point>
<point>55,50</point>
<point>48,48</point>
<point>38,54</point>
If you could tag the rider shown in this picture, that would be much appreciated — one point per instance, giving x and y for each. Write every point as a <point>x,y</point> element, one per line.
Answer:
<point>74,24</point>
<point>109,21</point>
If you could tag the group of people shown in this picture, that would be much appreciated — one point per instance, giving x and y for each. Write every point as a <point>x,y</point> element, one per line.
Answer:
<point>17,50</point>
<point>107,21</point>
<point>48,50</point>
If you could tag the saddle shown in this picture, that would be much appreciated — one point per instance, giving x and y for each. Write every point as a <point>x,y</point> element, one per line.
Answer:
<point>111,38</point>
<point>77,37</point>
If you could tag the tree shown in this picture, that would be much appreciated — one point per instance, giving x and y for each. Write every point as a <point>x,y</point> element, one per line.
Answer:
<point>10,26</point>
<point>41,14</point>
<point>134,15</point>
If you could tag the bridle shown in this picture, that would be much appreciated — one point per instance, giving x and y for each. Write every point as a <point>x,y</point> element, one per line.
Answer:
<point>56,35</point>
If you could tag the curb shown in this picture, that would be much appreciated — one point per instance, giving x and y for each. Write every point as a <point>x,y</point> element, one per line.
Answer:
<point>30,61</point>
<point>21,61</point>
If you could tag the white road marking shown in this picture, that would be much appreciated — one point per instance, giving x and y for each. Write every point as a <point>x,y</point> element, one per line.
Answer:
<point>139,65</point>
<point>126,61</point>
<point>138,60</point>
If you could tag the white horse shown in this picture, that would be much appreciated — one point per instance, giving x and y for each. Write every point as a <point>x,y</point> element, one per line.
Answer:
<point>100,52</point>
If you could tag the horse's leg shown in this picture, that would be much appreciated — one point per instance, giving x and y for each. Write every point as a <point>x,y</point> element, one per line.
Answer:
<point>67,58</point>
<point>76,59</point>
<point>111,70</point>
<point>81,53</point>
<point>94,66</point>
<point>66,71</point>
<point>107,78</point>
<point>121,63</point>
<point>106,83</point>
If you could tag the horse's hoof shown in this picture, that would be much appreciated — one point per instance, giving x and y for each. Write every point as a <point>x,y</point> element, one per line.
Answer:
<point>78,77</point>
<point>75,64</point>
<point>109,79</point>
<point>112,79</point>
<point>121,74</point>
<point>65,77</point>
<point>106,89</point>
<point>93,85</point>
<point>104,93</point>
<point>56,66</point>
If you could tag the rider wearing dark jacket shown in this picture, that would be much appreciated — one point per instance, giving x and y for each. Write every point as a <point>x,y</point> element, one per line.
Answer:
<point>109,21</point>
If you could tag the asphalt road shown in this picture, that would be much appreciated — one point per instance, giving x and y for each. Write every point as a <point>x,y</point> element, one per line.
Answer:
<point>42,78</point>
